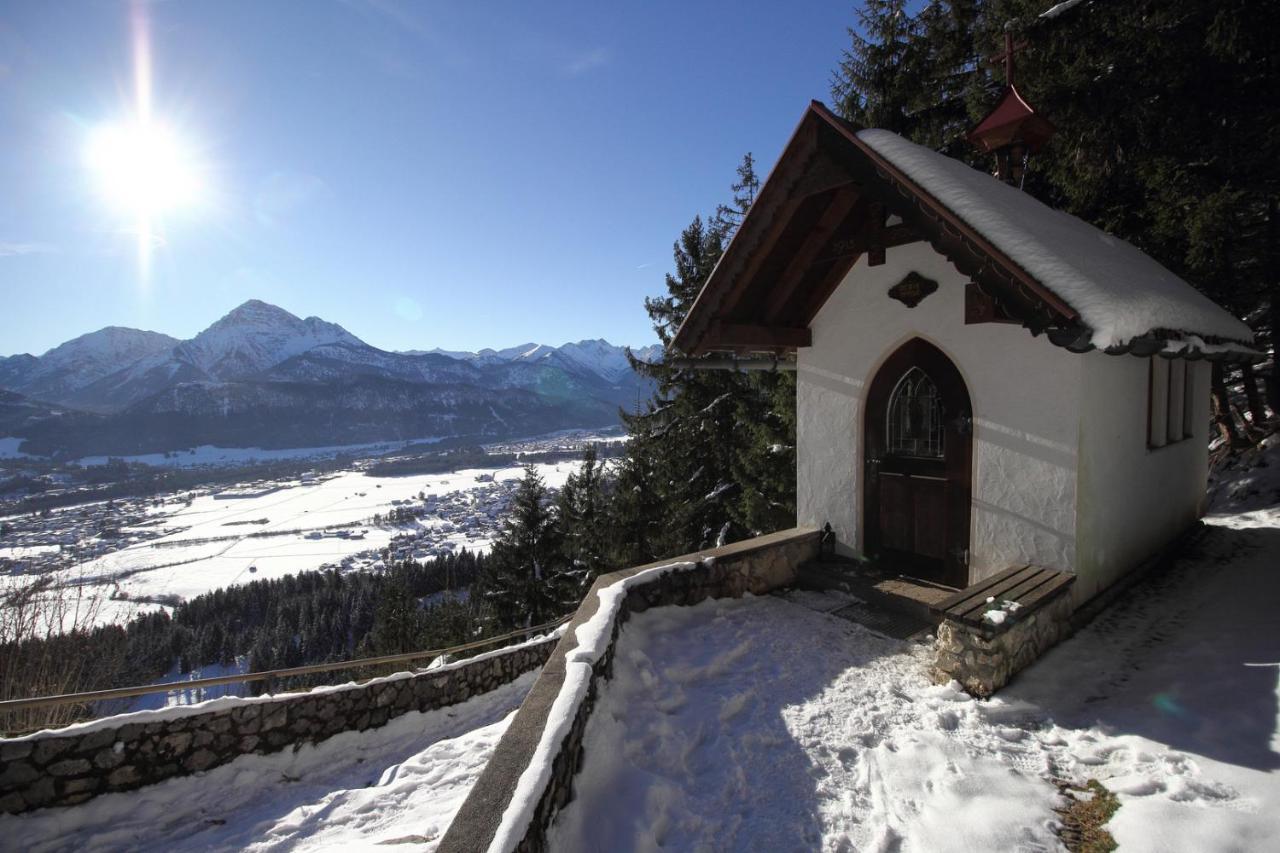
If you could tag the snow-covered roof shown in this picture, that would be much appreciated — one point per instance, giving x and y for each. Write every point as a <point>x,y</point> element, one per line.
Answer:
<point>1119,292</point>
<point>839,192</point>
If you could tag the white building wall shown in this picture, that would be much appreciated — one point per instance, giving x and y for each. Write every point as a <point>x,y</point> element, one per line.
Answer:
<point>1026,400</point>
<point>1134,499</point>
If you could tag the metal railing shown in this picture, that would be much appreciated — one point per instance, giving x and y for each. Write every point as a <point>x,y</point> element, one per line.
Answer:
<point>146,689</point>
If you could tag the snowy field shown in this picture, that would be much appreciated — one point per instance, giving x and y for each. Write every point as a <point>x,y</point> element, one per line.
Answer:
<point>764,723</point>
<point>213,548</point>
<point>9,448</point>
<point>392,788</point>
<point>209,455</point>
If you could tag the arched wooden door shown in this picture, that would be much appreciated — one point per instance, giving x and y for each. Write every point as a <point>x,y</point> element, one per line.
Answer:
<point>918,430</point>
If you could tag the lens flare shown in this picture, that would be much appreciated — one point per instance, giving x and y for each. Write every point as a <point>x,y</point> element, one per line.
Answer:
<point>140,167</point>
<point>143,169</point>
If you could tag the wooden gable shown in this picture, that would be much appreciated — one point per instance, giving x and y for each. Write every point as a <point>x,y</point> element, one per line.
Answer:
<point>830,200</point>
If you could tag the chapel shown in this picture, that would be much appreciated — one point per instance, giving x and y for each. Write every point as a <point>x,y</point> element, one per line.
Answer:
<point>982,381</point>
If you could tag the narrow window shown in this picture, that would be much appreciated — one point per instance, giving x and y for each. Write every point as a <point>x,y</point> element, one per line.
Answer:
<point>1158,403</point>
<point>1177,400</point>
<point>1189,406</point>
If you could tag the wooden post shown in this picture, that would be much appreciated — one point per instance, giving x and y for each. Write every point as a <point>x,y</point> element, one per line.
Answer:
<point>1257,409</point>
<point>1222,414</point>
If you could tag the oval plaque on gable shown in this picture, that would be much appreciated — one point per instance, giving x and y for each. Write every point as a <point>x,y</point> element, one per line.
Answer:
<point>912,290</point>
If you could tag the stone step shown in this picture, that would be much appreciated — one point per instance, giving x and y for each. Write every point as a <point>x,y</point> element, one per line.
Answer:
<point>877,588</point>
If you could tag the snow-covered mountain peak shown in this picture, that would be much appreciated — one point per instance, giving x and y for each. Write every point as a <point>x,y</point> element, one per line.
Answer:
<point>83,360</point>
<point>256,336</point>
<point>594,355</point>
<point>110,342</point>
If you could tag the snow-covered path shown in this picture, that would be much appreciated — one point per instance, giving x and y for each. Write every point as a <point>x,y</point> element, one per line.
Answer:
<point>764,724</point>
<point>400,784</point>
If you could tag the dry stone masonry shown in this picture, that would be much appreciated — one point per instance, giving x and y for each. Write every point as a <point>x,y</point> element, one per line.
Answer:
<point>984,659</point>
<point>62,768</point>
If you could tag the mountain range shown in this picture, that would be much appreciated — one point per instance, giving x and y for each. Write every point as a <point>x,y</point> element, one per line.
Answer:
<point>263,377</point>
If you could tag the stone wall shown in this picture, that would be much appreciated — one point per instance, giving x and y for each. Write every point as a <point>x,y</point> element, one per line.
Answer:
<point>69,766</point>
<point>984,660</point>
<point>756,566</point>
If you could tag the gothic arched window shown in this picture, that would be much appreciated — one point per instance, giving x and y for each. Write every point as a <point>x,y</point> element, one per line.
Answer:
<point>914,425</point>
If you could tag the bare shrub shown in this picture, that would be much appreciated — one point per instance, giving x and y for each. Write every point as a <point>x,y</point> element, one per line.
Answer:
<point>49,646</point>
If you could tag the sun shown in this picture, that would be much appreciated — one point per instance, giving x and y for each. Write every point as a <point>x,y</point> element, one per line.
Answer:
<point>143,169</point>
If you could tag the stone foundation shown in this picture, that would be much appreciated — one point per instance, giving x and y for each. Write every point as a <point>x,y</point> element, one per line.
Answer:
<point>62,768</point>
<point>983,660</point>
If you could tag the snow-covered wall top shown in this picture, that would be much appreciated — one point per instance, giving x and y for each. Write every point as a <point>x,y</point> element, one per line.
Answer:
<point>1119,292</point>
<point>530,775</point>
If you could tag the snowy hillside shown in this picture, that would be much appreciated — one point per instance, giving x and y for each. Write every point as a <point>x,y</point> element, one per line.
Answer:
<point>80,362</point>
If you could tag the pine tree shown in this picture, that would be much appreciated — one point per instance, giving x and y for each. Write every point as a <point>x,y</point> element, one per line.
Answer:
<point>710,459</point>
<point>690,421</point>
<point>581,521</point>
<point>730,216</point>
<point>636,513</point>
<point>397,622</point>
<point>871,85</point>
<point>1160,138</point>
<point>527,582</point>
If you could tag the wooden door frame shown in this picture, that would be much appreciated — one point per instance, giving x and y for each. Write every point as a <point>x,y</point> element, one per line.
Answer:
<point>957,454</point>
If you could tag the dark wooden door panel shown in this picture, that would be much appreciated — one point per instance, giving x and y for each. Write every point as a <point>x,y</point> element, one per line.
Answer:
<point>895,512</point>
<point>929,505</point>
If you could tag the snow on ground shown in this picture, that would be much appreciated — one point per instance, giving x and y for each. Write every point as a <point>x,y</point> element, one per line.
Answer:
<point>214,456</point>
<point>186,564</point>
<point>181,695</point>
<point>764,724</point>
<point>9,448</point>
<point>1247,483</point>
<point>396,785</point>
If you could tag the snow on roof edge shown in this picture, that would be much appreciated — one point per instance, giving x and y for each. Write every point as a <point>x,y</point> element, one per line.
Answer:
<point>1119,292</point>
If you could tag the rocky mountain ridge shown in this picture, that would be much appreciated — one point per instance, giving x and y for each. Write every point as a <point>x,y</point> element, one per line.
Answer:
<point>261,376</point>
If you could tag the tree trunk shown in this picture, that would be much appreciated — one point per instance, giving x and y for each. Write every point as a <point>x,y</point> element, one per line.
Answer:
<point>1257,409</point>
<point>1222,415</point>
<point>1272,272</point>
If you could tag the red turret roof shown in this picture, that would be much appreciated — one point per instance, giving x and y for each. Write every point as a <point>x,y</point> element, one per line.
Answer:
<point>1013,119</point>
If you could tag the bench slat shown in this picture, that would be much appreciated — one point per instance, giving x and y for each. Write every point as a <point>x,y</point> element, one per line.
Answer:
<point>1000,591</point>
<point>1029,586</point>
<point>974,615</point>
<point>1047,591</point>
<point>979,588</point>
<point>980,597</point>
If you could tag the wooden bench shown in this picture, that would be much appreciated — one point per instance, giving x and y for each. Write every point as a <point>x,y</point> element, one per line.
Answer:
<point>1029,586</point>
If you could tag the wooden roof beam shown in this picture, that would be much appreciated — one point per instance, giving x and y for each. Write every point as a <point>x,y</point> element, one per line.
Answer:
<point>823,175</point>
<point>837,211</point>
<point>748,337</point>
<point>818,294</point>
<point>776,202</point>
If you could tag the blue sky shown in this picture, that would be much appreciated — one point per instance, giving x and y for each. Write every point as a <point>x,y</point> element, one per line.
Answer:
<point>427,174</point>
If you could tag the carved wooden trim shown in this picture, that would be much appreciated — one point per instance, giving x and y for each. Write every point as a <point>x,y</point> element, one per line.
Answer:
<point>913,289</point>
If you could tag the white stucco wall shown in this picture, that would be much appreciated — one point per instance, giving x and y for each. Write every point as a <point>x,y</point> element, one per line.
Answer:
<point>1133,500</point>
<point>1026,396</point>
